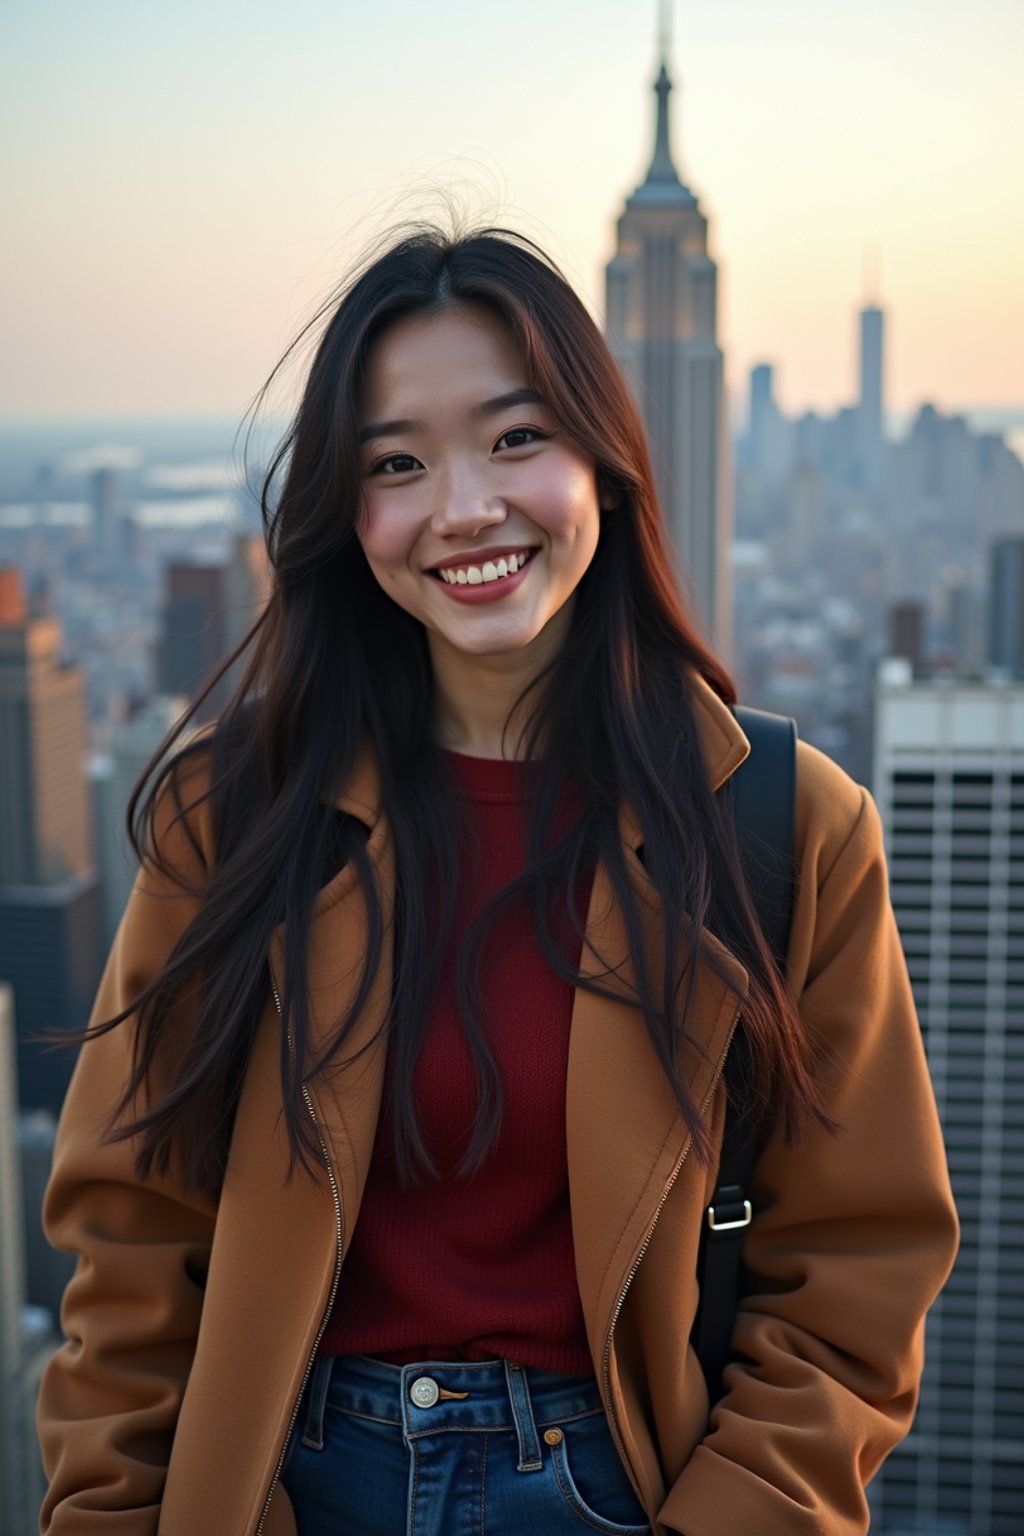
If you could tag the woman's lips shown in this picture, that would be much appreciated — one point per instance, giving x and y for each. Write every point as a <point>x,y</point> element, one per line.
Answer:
<point>485,590</point>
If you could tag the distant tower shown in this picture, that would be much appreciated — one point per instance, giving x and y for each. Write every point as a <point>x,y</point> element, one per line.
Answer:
<point>662,328</point>
<point>762,402</point>
<point>104,511</point>
<point>871,404</point>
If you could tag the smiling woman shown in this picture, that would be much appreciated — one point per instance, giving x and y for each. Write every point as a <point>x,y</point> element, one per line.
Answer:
<point>388,1151</point>
<point>480,516</point>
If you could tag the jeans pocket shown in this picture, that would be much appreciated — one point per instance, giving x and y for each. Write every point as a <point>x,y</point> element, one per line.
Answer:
<point>592,1479</point>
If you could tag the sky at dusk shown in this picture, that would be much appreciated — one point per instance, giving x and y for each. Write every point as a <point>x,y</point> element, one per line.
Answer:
<point>182,183</point>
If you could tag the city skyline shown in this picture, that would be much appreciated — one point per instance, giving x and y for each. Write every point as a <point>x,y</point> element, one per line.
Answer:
<point>181,191</point>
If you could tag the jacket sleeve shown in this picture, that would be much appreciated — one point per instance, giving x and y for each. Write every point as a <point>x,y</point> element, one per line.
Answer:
<point>110,1396</point>
<point>854,1233</point>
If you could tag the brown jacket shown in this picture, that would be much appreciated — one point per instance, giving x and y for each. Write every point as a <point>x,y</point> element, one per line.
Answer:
<point>191,1322</point>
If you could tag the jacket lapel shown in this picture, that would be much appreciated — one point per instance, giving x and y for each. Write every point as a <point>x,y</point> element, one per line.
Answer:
<point>346,1095</point>
<point>625,1135</point>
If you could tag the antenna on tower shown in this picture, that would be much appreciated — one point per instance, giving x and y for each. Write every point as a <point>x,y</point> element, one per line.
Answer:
<point>872,274</point>
<point>665,29</point>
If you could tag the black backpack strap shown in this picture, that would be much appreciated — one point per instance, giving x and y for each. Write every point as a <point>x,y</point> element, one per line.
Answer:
<point>762,795</point>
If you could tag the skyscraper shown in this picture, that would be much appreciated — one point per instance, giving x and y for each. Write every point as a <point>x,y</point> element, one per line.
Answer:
<point>949,781</point>
<point>208,609</point>
<point>662,327</point>
<point>871,405</point>
<point>106,525</point>
<point>1006,606</point>
<point>15,1447</point>
<point>50,915</point>
<point>762,409</point>
<point>192,639</point>
<point>45,826</point>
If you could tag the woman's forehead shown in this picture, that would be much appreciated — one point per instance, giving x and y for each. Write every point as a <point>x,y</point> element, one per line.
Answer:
<point>454,351</point>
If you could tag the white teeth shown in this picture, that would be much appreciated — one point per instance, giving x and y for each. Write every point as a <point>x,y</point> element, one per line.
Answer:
<point>491,570</point>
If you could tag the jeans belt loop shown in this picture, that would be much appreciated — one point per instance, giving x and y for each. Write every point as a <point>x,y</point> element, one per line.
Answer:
<point>522,1413</point>
<point>319,1382</point>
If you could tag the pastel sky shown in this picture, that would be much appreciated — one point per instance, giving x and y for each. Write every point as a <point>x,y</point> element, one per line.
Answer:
<point>182,181</point>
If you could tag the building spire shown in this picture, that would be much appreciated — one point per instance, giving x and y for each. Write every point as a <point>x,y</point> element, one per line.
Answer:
<point>661,167</point>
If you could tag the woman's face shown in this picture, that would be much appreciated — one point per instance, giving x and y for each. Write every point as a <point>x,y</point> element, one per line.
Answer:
<point>479,516</point>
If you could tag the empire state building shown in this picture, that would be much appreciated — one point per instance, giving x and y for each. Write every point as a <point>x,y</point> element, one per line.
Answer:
<point>661,317</point>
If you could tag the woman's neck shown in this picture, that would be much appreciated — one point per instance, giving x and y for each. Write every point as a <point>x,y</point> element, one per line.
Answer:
<point>476,709</point>
<point>475,706</point>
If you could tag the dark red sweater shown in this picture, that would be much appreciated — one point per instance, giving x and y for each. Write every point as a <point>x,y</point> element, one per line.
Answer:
<point>480,1267</point>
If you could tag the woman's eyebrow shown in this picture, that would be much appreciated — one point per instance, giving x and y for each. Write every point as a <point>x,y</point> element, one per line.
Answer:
<point>521,396</point>
<point>389,428</point>
<point>511,397</point>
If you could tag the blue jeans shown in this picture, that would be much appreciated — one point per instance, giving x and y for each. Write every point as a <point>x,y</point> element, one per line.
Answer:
<point>455,1448</point>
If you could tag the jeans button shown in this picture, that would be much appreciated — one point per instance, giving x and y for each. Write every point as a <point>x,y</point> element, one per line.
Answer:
<point>424,1392</point>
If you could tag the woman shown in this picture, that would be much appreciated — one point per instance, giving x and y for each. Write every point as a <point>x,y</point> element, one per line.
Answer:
<point>414,1030</point>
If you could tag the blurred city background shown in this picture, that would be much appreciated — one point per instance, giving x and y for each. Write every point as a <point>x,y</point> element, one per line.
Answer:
<point>809,266</point>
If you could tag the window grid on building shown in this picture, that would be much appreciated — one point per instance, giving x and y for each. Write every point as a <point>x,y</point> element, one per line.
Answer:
<point>954,822</point>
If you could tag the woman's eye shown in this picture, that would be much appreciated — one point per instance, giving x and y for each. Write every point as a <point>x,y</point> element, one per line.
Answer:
<point>519,437</point>
<point>394,464</point>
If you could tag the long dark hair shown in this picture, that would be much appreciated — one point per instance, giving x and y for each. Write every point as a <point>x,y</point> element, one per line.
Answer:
<point>333,665</point>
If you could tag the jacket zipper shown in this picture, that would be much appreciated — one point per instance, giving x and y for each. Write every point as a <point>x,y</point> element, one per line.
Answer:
<point>339,1247</point>
<point>606,1362</point>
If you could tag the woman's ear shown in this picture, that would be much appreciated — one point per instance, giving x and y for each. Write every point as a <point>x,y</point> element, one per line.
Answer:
<point>607,499</point>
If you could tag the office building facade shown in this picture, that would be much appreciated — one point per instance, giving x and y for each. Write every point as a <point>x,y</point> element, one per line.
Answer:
<point>949,781</point>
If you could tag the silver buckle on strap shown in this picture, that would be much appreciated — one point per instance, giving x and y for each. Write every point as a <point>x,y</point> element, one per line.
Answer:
<point>729,1226</point>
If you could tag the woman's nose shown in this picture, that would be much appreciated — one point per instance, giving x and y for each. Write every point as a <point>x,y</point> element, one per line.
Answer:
<point>463,505</point>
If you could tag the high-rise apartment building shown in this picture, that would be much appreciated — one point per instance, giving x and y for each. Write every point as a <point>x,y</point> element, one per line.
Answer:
<point>662,327</point>
<point>45,824</point>
<point>949,781</point>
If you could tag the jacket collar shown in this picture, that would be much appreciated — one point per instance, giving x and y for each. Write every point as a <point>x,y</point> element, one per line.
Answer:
<point>723,743</point>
